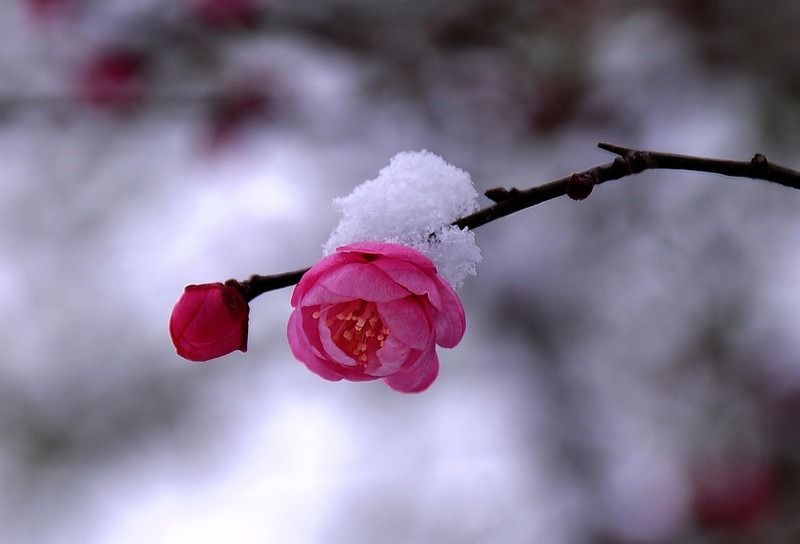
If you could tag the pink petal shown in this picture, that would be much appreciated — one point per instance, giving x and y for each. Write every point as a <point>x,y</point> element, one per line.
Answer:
<point>390,358</point>
<point>362,281</point>
<point>411,277</point>
<point>306,346</point>
<point>318,295</point>
<point>418,380</point>
<point>302,349</point>
<point>451,322</point>
<point>406,322</point>
<point>358,375</point>
<point>331,349</point>
<point>310,332</point>
<point>397,251</point>
<point>311,277</point>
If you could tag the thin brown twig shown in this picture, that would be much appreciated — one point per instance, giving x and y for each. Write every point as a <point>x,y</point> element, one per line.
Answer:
<point>578,186</point>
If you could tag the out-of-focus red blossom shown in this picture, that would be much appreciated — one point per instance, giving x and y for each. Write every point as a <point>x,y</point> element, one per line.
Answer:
<point>735,498</point>
<point>209,321</point>
<point>46,10</point>
<point>114,79</point>
<point>554,104</point>
<point>227,14</point>
<point>234,111</point>
<point>375,310</point>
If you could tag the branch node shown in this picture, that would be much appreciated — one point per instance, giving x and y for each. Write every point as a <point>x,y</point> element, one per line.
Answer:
<point>499,194</point>
<point>759,162</point>
<point>616,149</point>
<point>580,186</point>
<point>621,164</point>
<point>632,162</point>
<point>243,287</point>
<point>234,283</point>
<point>638,161</point>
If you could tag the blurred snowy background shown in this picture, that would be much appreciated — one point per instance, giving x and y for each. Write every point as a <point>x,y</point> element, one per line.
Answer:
<point>631,370</point>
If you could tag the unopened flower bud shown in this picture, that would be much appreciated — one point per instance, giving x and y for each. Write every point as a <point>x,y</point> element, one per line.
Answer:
<point>580,186</point>
<point>209,321</point>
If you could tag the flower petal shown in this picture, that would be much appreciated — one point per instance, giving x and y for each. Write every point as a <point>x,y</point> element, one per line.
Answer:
<point>395,251</point>
<point>364,281</point>
<point>412,278</point>
<point>307,347</point>
<point>311,277</point>
<point>451,322</point>
<point>318,295</point>
<point>390,358</point>
<point>406,322</point>
<point>331,349</point>
<point>302,349</point>
<point>419,379</point>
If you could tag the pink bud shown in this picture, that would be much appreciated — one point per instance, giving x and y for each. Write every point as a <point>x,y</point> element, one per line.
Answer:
<point>46,10</point>
<point>235,111</point>
<point>114,79</point>
<point>209,321</point>
<point>735,497</point>
<point>227,14</point>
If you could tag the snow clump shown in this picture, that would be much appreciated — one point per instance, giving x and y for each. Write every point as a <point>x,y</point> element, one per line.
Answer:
<point>412,202</point>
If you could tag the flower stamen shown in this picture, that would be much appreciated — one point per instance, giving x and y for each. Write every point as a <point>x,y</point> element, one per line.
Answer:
<point>358,330</point>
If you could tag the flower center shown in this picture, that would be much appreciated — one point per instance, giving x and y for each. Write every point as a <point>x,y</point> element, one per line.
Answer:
<point>357,328</point>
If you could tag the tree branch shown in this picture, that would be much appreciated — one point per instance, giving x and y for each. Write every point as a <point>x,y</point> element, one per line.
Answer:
<point>577,186</point>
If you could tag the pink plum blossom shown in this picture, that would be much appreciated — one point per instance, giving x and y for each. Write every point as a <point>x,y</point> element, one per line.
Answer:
<point>235,110</point>
<point>735,496</point>
<point>47,10</point>
<point>375,310</point>
<point>227,14</point>
<point>209,321</point>
<point>114,79</point>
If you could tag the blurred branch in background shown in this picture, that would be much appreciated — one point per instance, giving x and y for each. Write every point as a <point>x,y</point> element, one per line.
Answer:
<point>525,64</point>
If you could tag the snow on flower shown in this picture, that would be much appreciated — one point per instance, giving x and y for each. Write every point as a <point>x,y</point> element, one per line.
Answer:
<point>375,310</point>
<point>209,321</point>
<point>412,202</point>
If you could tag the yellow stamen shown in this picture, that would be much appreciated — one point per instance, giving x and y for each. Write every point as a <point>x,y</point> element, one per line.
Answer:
<point>355,326</point>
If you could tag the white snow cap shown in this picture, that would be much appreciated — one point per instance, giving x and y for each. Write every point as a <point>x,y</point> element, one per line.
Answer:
<point>417,195</point>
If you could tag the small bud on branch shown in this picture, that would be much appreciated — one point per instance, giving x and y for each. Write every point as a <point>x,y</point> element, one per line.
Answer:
<point>580,186</point>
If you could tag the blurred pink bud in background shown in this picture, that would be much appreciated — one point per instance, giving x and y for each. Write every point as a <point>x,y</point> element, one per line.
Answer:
<point>234,111</point>
<point>114,79</point>
<point>46,10</point>
<point>736,497</point>
<point>227,14</point>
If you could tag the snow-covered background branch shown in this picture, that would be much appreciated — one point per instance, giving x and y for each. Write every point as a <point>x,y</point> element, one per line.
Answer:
<point>625,356</point>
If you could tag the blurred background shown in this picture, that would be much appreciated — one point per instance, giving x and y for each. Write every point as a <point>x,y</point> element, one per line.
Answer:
<point>631,369</point>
